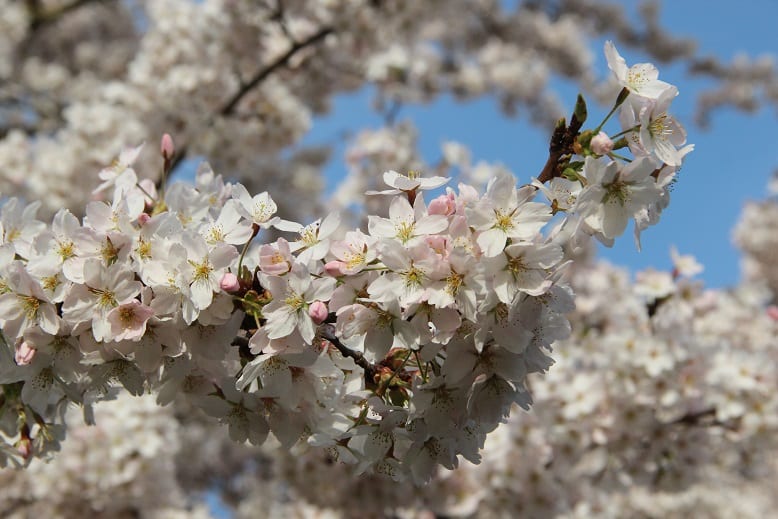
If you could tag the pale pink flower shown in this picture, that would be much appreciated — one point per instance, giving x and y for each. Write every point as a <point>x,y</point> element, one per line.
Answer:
<point>275,258</point>
<point>128,320</point>
<point>120,173</point>
<point>408,183</point>
<point>641,79</point>
<point>406,223</point>
<point>354,253</point>
<point>685,265</point>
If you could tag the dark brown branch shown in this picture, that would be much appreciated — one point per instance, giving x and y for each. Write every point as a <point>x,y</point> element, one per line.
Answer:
<point>259,77</point>
<point>561,144</point>
<point>327,332</point>
<point>40,17</point>
<point>696,417</point>
<point>272,67</point>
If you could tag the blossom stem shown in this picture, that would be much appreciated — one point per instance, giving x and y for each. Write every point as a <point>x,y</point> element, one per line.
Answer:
<point>145,192</point>
<point>254,232</point>
<point>624,132</point>
<point>422,371</point>
<point>620,157</point>
<point>619,100</point>
<point>384,386</point>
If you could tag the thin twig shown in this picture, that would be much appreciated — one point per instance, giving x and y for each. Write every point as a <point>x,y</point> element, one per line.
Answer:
<point>259,77</point>
<point>229,107</point>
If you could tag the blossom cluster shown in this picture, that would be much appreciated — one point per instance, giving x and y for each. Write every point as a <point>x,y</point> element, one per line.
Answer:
<point>180,64</point>
<point>660,404</point>
<point>397,349</point>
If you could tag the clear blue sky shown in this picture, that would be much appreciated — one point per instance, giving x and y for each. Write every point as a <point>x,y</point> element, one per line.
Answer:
<point>730,165</point>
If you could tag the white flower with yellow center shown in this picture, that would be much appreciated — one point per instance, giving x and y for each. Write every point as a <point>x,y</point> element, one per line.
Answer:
<point>641,79</point>
<point>292,294</point>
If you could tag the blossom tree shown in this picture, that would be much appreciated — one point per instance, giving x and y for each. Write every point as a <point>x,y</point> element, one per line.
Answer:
<point>392,349</point>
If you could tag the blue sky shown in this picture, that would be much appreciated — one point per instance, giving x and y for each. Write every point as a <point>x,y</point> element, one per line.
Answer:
<point>730,165</point>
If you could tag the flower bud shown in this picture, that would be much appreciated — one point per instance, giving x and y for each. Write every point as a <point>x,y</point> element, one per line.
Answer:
<point>229,282</point>
<point>318,312</point>
<point>25,352</point>
<point>601,144</point>
<point>167,147</point>
<point>335,268</point>
<point>24,446</point>
<point>444,204</point>
<point>143,218</point>
<point>772,312</point>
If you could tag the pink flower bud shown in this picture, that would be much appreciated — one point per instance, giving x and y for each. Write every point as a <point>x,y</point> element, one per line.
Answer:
<point>444,204</point>
<point>24,446</point>
<point>25,352</point>
<point>335,268</point>
<point>143,218</point>
<point>167,147</point>
<point>229,282</point>
<point>772,312</point>
<point>601,144</point>
<point>318,312</point>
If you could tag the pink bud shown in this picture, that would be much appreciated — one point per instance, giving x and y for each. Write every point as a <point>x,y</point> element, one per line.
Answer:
<point>24,353</point>
<point>167,147</point>
<point>143,218</point>
<point>229,282</point>
<point>335,268</point>
<point>24,446</point>
<point>772,312</point>
<point>601,144</point>
<point>318,312</point>
<point>444,204</point>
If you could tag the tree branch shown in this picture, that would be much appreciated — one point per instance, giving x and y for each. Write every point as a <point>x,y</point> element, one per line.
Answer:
<point>561,144</point>
<point>40,17</point>
<point>327,331</point>
<point>230,106</point>
<point>259,77</point>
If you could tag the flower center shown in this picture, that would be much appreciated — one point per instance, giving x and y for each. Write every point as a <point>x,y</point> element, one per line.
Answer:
<point>30,305</point>
<point>404,230</point>
<point>503,221</point>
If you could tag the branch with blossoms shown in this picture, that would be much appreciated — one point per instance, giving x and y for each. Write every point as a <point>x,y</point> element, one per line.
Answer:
<point>397,349</point>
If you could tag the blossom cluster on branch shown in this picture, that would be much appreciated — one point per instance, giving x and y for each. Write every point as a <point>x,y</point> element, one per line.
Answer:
<point>397,349</point>
<point>660,404</point>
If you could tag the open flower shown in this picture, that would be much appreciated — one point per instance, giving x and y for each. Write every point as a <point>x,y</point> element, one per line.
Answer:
<point>411,182</point>
<point>128,320</point>
<point>641,79</point>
